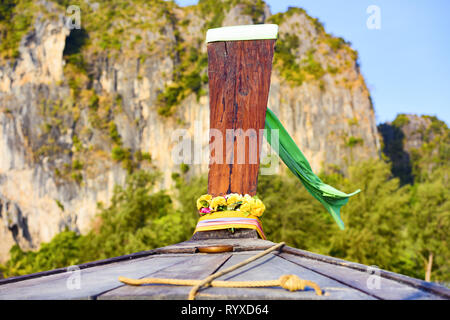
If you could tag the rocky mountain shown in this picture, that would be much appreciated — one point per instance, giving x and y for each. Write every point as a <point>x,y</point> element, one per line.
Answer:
<point>81,108</point>
<point>415,145</point>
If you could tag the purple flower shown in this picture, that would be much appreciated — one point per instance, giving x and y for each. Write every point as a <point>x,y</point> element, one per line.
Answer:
<point>205,210</point>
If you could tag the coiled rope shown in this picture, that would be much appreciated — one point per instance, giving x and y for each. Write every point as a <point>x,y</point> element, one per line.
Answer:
<point>288,281</point>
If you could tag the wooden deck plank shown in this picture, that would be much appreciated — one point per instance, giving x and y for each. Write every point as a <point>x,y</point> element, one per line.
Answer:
<point>93,281</point>
<point>240,233</point>
<point>430,290</point>
<point>272,267</point>
<point>197,266</point>
<point>339,278</point>
<point>127,257</point>
<point>382,289</point>
<point>191,246</point>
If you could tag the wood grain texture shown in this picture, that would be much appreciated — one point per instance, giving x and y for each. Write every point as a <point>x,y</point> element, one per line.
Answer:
<point>430,287</point>
<point>198,266</point>
<point>271,267</point>
<point>340,279</point>
<point>238,245</point>
<point>226,234</point>
<point>82,266</point>
<point>239,82</point>
<point>93,281</point>
<point>385,289</point>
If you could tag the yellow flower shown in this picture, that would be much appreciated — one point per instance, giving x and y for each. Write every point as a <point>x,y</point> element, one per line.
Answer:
<point>246,207</point>
<point>257,208</point>
<point>253,206</point>
<point>216,202</point>
<point>247,199</point>
<point>202,199</point>
<point>233,198</point>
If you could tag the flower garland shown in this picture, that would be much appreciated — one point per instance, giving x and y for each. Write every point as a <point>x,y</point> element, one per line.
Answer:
<point>231,202</point>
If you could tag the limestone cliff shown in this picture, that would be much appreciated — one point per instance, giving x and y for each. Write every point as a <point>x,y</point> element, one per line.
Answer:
<point>81,108</point>
<point>415,145</point>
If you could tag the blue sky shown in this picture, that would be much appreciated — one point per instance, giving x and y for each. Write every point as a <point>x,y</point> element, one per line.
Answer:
<point>406,63</point>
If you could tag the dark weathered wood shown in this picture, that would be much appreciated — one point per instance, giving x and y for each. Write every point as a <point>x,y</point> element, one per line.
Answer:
<point>271,267</point>
<point>433,288</point>
<point>93,281</point>
<point>384,289</point>
<point>198,266</point>
<point>267,268</point>
<point>226,234</point>
<point>239,82</point>
<point>91,264</point>
<point>238,245</point>
<point>339,279</point>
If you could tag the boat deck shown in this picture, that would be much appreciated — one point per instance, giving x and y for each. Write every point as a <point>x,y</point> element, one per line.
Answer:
<point>339,279</point>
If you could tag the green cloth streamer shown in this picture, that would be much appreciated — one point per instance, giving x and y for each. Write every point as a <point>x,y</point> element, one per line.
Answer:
<point>331,198</point>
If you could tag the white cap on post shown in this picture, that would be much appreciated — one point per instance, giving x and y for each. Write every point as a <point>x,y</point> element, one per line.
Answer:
<point>245,32</point>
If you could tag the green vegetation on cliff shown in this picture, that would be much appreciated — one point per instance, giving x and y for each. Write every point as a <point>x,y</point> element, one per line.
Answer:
<point>295,68</point>
<point>16,17</point>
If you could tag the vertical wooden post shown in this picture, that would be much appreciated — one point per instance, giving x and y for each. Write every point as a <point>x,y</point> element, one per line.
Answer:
<point>239,81</point>
<point>239,68</point>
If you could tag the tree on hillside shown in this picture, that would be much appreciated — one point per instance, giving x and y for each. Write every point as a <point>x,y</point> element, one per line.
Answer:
<point>376,220</point>
<point>137,219</point>
<point>430,225</point>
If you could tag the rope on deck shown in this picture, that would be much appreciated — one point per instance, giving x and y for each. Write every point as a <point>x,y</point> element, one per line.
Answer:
<point>288,281</point>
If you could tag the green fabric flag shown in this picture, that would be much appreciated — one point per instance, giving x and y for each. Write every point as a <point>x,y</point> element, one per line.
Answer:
<point>331,198</point>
